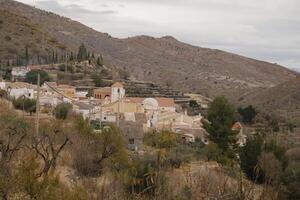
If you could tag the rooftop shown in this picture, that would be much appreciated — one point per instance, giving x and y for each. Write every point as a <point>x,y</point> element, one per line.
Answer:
<point>117,85</point>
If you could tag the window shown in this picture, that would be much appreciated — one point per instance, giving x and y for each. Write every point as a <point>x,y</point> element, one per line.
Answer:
<point>131,140</point>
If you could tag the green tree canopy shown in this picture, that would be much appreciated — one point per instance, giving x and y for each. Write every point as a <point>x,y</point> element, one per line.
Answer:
<point>100,61</point>
<point>219,127</point>
<point>247,113</point>
<point>82,53</point>
<point>62,110</point>
<point>249,156</point>
<point>32,76</point>
<point>97,78</point>
<point>29,104</point>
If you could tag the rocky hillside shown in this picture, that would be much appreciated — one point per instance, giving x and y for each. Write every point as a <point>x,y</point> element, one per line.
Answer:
<point>282,100</point>
<point>165,60</point>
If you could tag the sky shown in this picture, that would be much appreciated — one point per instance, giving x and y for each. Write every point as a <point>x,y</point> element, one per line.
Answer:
<point>263,29</point>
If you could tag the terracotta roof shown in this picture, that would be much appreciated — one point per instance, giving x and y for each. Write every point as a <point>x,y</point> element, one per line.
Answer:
<point>165,102</point>
<point>237,126</point>
<point>134,99</point>
<point>104,90</point>
<point>117,85</point>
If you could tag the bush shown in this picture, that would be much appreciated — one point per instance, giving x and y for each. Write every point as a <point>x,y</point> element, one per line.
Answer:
<point>97,78</point>
<point>249,156</point>
<point>62,110</point>
<point>29,104</point>
<point>164,139</point>
<point>248,113</point>
<point>31,77</point>
<point>99,152</point>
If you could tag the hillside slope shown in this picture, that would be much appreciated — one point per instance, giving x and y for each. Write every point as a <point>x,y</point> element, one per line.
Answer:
<point>282,100</point>
<point>165,60</point>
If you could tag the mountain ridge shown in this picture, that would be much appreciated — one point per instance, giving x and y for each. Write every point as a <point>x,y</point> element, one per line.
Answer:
<point>164,60</point>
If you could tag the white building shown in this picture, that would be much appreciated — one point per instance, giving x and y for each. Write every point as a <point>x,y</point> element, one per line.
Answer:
<point>2,85</point>
<point>19,92</point>
<point>19,72</point>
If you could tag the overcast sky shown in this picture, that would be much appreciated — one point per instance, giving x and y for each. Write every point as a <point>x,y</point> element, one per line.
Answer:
<point>263,29</point>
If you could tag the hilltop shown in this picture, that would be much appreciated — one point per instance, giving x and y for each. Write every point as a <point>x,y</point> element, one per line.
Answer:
<point>165,61</point>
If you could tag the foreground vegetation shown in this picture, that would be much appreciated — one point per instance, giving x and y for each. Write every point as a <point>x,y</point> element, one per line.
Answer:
<point>68,160</point>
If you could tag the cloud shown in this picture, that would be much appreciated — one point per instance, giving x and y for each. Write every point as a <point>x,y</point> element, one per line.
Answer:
<point>262,29</point>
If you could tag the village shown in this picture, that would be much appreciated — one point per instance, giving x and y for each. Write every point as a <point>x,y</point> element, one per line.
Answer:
<point>134,115</point>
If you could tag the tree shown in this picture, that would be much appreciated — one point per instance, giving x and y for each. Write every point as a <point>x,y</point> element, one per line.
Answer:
<point>13,133</point>
<point>291,181</point>
<point>26,55</point>
<point>3,94</point>
<point>97,78</point>
<point>48,146</point>
<point>163,140</point>
<point>100,61</point>
<point>249,156</point>
<point>193,104</point>
<point>248,113</point>
<point>29,105</point>
<point>219,127</point>
<point>98,152</point>
<point>82,53</point>
<point>31,77</point>
<point>62,110</point>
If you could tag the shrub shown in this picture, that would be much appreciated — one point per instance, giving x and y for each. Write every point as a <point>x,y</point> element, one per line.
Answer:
<point>62,110</point>
<point>248,113</point>
<point>29,104</point>
<point>164,139</point>
<point>32,76</point>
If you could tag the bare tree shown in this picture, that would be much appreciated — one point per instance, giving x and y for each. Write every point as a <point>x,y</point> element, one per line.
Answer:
<point>49,146</point>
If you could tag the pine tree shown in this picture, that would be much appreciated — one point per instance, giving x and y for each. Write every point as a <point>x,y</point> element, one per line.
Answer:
<point>221,118</point>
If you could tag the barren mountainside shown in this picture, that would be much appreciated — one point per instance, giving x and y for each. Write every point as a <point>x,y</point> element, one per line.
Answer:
<point>282,100</point>
<point>165,60</point>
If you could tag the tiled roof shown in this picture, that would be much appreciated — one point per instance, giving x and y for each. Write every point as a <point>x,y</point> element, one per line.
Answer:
<point>134,100</point>
<point>165,102</point>
<point>104,90</point>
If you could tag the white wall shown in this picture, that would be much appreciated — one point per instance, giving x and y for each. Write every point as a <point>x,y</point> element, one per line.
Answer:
<point>2,85</point>
<point>18,92</point>
<point>115,95</point>
<point>169,109</point>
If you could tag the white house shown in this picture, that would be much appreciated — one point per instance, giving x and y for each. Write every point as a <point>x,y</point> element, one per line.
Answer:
<point>18,92</point>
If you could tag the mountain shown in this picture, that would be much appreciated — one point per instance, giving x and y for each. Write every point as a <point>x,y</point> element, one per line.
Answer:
<point>282,100</point>
<point>165,60</point>
<point>296,69</point>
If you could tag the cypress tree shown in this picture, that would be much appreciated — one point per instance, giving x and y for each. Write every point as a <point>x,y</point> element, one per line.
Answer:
<point>82,53</point>
<point>26,56</point>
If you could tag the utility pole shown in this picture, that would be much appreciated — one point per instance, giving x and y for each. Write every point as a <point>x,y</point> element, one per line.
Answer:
<point>118,116</point>
<point>37,105</point>
<point>100,115</point>
<point>66,67</point>
<point>90,110</point>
